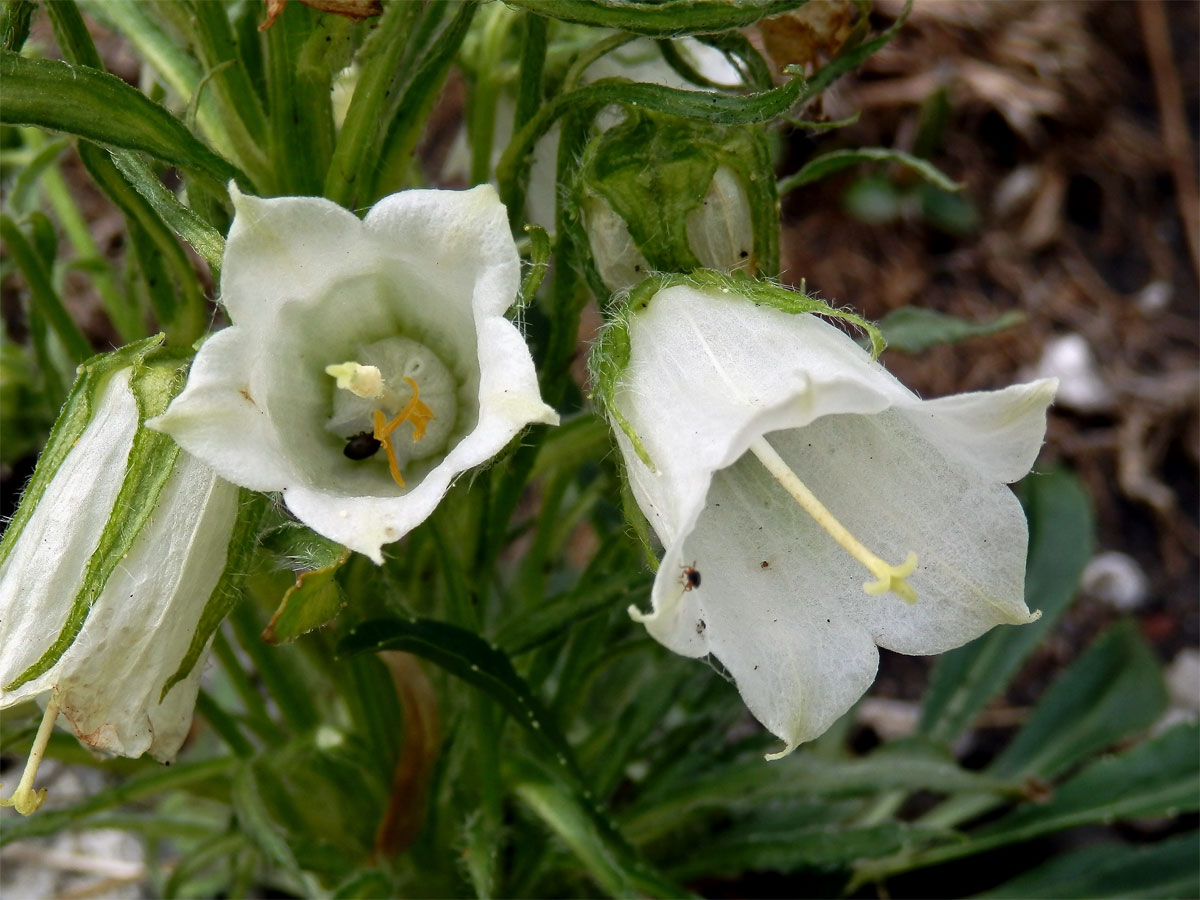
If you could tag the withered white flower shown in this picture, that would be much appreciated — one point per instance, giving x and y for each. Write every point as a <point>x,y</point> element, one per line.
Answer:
<point>811,507</point>
<point>104,576</point>
<point>370,361</point>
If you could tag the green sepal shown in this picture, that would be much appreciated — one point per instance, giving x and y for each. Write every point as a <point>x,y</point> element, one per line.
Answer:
<point>655,169</point>
<point>155,381</point>
<point>610,356</point>
<point>539,264</point>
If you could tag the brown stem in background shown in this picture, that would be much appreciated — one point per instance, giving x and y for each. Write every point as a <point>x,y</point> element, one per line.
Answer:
<point>405,811</point>
<point>1172,120</point>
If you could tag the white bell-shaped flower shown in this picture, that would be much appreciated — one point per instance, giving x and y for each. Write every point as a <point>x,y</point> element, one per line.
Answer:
<point>370,361</point>
<point>98,630</point>
<point>811,507</point>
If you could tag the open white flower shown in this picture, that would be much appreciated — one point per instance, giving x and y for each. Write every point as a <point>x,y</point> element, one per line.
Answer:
<point>811,507</point>
<point>370,361</point>
<point>104,577</point>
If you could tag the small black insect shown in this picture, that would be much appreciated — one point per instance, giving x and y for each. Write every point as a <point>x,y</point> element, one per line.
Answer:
<point>690,577</point>
<point>362,446</point>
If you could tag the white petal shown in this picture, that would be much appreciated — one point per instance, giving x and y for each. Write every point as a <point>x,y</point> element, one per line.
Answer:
<point>997,433</point>
<point>284,250</point>
<point>41,575</point>
<point>142,624</point>
<point>222,418</point>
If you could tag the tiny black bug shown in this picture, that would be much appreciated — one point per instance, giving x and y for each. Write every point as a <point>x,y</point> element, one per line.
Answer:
<point>361,446</point>
<point>690,577</point>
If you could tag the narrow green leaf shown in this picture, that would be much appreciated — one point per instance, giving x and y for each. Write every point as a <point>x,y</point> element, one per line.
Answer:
<point>667,18</point>
<point>826,164</point>
<point>1169,868</point>
<point>615,867</point>
<point>204,239</point>
<point>170,279</point>
<point>42,294</point>
<point>102,108</point>
<point>404,129</point>
<point>1113,690</point>
<point>911,329</point>
<point>552,619</point>
<point>22,196</point>
<point>742,849</point>
<point>373,103</point>
<point>470,658</point>
<point>15,16</point>
<point>1060,544</point>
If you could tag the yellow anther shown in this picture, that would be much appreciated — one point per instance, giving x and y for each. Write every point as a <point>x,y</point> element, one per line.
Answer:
<point>888,577</point>
<point>415,412</point>
<point>361,381</point>
<point>25,799</point>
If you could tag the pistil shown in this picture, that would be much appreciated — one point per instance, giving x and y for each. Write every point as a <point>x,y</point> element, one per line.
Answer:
<point>887,577</point>
<point>25,799</point>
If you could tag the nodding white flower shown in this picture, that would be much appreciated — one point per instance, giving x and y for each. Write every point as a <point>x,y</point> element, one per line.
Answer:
<point>811,507</point>
<point>105,573</point>
<point>370,361</point>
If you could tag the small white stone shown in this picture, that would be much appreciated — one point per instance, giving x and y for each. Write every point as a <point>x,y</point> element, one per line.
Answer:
<point>1116,579</point>
<point>1080,385</point>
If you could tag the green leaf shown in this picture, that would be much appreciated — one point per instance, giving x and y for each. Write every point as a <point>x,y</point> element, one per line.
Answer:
<point>43,297</point>
<point>912,329</point>
<point>100,107</point>
<point>204,239</point>
<point>611,863</point>
<point>667,18</point>
<point>1167,869</point>
<point>1060,544</point>
<point>827,163</point>
<point>539,264</point>
<point>14,23</point>
<point>470,658</point>
<point>1113,690</point>
<point>1160,777</point>
<point>742,849</point>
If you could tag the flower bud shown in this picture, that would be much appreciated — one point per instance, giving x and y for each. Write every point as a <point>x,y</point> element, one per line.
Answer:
<point>670,195</point>
<point>109,564</point>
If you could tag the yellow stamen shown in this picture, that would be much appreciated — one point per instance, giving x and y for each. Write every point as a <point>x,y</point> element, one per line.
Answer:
<point>415,412</point>
<point>25,799</point>
<point>888,577</point>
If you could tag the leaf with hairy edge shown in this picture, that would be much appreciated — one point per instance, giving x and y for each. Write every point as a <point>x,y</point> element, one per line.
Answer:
<point>470,658</point>
<point>151,460</point>
<point>611,862</point>
<point>827,163</point>
<point>101,107</point>
<point>668,18</point>
<point>911,329</point>
<point>1060,544</point>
